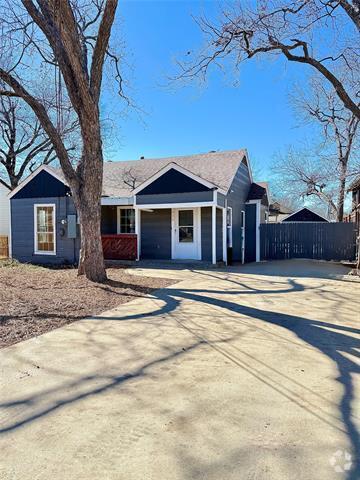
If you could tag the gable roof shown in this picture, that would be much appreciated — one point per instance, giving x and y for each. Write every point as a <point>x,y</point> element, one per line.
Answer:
<point>217,168</point>
<point>57,173</point>
<point>122,178</point>
<point>181,170</point>
<point>305,215</point>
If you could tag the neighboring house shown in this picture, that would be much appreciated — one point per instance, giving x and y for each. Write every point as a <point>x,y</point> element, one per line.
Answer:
<point>277,212</point>
<point>198,207</point>
<point>4,210</point>
<point>354,215</point>
<point>304,215</point>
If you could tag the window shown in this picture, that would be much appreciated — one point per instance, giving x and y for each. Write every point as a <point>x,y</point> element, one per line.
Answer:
<point>186,226</point>
<point>126,220</point>
<point>45,234</point>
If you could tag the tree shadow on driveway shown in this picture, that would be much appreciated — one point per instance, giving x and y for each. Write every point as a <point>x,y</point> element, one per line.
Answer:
<point>336,342</point>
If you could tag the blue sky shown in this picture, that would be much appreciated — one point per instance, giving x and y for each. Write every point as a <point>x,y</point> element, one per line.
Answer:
<point>179,120</point>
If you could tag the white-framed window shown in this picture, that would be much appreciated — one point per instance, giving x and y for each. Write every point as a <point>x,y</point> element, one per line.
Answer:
<point>229,223</point>
<point>45,229</point>
<point>125,220</point>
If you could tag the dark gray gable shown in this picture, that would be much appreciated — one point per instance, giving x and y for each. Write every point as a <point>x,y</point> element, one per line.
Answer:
<point>43,185</point>
<point>305,215</point>
<point>173,181</point>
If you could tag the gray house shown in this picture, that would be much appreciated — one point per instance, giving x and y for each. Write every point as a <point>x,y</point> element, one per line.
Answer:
<point>199,207</point>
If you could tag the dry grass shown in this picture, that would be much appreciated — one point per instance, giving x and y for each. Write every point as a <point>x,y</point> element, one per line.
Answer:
<point>34,299</point>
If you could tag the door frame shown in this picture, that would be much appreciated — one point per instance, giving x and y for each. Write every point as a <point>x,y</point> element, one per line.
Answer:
<point>197,231</point>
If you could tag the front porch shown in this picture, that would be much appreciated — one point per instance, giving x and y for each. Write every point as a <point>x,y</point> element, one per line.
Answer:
<point>175,232</point>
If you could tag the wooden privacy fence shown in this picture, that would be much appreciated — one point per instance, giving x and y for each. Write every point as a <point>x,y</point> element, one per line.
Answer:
<point>4,247</point>
<point>321,241</point>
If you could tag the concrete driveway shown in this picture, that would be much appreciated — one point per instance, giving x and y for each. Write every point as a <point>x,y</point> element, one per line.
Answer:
<point>250,373</point>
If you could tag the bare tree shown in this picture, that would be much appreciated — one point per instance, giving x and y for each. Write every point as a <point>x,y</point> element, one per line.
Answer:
<point>306,175</point>
<point>323,34</point>
<point>24,144</point>
<point>74,37</point>
<point>339,126</point>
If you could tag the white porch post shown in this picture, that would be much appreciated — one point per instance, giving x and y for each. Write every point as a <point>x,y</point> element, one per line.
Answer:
<point>224,236</point>
<point>138,231</point>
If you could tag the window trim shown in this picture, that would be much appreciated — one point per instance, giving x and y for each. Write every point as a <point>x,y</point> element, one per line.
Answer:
<point>36,250</point>
<point>229,227</point>
<point>186,226</point>
<point>118,223</point>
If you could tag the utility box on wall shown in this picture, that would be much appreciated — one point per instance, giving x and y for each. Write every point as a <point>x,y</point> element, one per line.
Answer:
<point>71,226</point>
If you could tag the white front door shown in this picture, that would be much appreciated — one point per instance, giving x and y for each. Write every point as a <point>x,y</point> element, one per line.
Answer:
<point>186,234</point>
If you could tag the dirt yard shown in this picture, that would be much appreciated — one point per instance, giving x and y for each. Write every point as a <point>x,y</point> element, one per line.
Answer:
<point>34,300</point>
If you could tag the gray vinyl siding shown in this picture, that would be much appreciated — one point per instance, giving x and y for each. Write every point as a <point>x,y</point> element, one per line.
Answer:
<point>175,198</point>
<point>250,233</point>
<point>206,234</point>
<point>206,249</point>
<point>236,199</point>
<point>219,235</point>
<point>22,225</point>
<point>156,234</point>
<point>221,200</point>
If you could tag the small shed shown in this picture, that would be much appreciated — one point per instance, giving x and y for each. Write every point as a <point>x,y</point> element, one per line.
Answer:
<point>304,215</point>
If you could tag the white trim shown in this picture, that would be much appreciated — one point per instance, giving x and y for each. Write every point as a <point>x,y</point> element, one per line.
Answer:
<point>180,169</point>
<point>42,168</point>
<point>258,219</point>
<point>118,220</point>
<point>138,231</point>
<point>197,231</point>
<point>154,206</point>
<point>230,227</point>
<point>246,155</point>
<point>243,233</point>
<point>36,206</point>
<point>303,208</point>
<point>10,232</point>
<point>224,232</point>
<point>117,201</point>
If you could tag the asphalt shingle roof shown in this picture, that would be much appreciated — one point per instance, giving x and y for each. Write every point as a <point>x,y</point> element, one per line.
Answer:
<point>219,168</point>
<point>121,178</point>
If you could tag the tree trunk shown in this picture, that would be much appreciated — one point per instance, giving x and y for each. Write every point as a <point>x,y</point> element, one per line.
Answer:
<point>341,199</point>
<point>91,261</point>
<point>87,199</point>
<point>342,185</point>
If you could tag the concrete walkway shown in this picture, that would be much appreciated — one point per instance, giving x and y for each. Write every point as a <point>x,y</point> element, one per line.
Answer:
<point>250,373</point>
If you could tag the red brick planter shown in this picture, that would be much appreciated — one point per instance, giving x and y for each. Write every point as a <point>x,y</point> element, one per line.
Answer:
<point>120,247</point>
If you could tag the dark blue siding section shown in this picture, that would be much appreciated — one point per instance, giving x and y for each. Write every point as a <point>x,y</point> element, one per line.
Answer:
<point>173,182</point>
<point>250,233</point>
<point>156,234</point>
<point>22,225</point>
<point>206,250</point>
<point>236,199</point>
<point>43,185</point>
<point>219,235</point>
